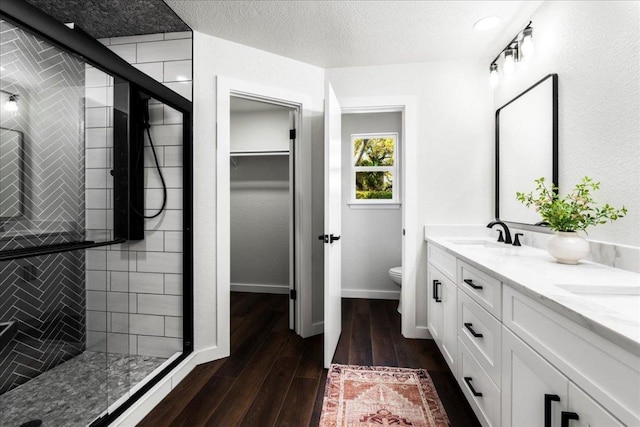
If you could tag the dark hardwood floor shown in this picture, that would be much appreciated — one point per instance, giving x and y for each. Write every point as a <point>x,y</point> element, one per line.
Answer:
<point>275,378</point>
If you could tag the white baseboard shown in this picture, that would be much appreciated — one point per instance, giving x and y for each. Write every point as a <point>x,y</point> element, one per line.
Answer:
<point>136,413</point>
<point>259,288</point>
<point>370,294</point>
<point>317,328</point>
<point>419,332</point>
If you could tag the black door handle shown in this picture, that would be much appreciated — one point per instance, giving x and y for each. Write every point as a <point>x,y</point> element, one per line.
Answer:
<point>566,416</point>
<point>435,290</point>
<point>473,390</point>
<point>324,237</point>
<point>469,326</point>
<point>548,398</point>
<point>333,238</point>
<point>470,283</point>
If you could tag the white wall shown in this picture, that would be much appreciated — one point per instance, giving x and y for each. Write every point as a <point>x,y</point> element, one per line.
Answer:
<point>371,237</point>
<point>594,47</point>
<point>455,141</point>
<point>260,223</point>
<point>217,57</point>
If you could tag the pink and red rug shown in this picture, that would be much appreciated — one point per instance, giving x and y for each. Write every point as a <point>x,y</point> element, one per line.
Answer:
<point>368,396</point>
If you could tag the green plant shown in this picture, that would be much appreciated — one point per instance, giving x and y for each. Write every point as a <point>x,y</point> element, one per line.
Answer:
<point>573,212</point>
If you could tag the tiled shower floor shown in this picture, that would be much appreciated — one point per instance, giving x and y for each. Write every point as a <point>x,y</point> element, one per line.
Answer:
<point>75,392</point>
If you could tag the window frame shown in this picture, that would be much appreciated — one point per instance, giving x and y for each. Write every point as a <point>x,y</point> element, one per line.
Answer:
<point>395,198</point>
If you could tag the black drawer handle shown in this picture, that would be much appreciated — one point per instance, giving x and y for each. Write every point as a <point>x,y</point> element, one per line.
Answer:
<point>435,290</point>
<point>469,326</point>
<point>473,285</point>
<point>473,390</point>
<point>548,398</point>
<point>566,416</point>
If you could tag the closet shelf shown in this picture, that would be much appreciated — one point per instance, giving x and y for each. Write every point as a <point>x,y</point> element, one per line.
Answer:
<point>241,153</point>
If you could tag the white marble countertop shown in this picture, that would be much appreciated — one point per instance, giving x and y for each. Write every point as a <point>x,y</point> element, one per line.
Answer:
<point>603,299</point>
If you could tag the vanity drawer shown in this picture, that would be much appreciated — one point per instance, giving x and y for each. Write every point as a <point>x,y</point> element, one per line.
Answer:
<point>474,321</point>
<point>484,289</point>
<point>607,372</point>
<point>474,381</point>
<point>445,262</point>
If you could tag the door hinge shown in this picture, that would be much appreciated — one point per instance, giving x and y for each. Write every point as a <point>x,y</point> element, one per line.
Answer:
<point>292,134</point>
<point>293,294</point>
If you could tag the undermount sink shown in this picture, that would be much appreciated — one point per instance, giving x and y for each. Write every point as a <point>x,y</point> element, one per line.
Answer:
<point>621,299</point>
<point>600,290</point>
<point>479,243</point>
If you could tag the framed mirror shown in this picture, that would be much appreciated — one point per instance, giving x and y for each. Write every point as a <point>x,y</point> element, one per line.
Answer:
<point>11,174</point>
<point>526,143</point>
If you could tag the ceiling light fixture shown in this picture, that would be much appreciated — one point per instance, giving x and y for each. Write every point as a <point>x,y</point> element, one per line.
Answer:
<point>487,23</point>
<point>519,48</point>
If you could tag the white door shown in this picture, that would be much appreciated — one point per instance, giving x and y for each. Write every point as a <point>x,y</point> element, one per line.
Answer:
<point>332,224</point>
<point>294,303</point>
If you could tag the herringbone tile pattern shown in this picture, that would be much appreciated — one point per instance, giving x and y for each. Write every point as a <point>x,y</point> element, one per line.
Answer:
<point>50,86</point>
<point>45,295</point>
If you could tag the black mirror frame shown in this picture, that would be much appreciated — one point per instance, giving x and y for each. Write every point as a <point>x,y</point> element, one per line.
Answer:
<point>22,179</point>
<point>533,227</point>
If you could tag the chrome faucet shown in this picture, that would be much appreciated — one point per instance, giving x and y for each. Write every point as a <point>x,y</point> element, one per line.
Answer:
<point>507,234</point>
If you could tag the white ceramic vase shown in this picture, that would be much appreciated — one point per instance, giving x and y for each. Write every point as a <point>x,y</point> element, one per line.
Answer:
<point>568,247</point>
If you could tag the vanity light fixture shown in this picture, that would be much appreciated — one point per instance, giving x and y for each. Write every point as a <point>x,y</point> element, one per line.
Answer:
<point>11,105</point>
<point>494,78</point>
<point>519,48</point>
<point>510,56</point>
<point>526,45</point>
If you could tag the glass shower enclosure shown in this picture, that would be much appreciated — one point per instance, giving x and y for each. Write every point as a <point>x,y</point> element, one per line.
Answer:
<point>95,293</point>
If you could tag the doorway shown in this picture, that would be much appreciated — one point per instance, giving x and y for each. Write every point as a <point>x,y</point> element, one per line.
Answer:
<point>300,305</point>
<point>262,198</point>
<point>412,237</point>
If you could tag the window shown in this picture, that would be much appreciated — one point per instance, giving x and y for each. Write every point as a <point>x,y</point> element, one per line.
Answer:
<point>374,168</point>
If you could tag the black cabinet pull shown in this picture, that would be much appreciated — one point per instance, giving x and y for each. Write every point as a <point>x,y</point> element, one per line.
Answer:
<point>435,290</point>
<point>469,326</point>
<point>470,283</point>
<point>548,399</point>
<point>566,416</point>
<point>473,390</point>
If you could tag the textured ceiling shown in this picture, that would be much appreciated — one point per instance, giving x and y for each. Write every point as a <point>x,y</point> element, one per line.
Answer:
<point>112,18</point>
<point>354,33</point>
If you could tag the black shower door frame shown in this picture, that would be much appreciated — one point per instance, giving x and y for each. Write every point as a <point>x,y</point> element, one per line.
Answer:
<point>79,43</point>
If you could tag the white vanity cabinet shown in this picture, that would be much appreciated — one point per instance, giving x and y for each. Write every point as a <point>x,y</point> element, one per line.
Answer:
<point>520,363</point>
<point>537,394</point>
<point>602,379</point>
<point>441,306</point>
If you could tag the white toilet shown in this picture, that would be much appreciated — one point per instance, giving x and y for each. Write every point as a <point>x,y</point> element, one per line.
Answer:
<point>396,275</point>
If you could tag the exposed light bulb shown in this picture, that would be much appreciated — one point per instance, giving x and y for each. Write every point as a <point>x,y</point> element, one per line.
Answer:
<point>494,78</point>
<point>12,104</point>
<point>509,61</point>
<point>526,46</point>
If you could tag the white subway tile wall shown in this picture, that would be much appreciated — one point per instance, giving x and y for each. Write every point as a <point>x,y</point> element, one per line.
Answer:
<point>134,290</point>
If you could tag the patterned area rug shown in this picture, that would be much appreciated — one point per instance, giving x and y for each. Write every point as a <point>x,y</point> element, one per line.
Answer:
<point>368,396</point>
